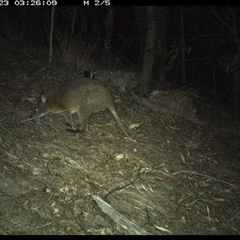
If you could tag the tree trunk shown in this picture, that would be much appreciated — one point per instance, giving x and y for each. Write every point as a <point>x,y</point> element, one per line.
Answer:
<point>183,66</point>
<point>51,37</point>
<point>236,86</point>
<point>141,22</point>
<point>109,30</point>
<point>148,58</point>
<point>233,36</point>
<point>161,44</point>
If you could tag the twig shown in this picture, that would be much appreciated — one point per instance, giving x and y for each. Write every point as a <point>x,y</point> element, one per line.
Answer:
<point>204,175</point>
<point>118,189</point>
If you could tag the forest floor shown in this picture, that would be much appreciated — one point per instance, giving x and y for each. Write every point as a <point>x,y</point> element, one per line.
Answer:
<point>177,177</point>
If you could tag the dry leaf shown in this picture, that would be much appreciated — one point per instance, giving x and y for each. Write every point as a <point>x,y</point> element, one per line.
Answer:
<point>168,175</point>
<point>183,158</point>
<point>119,157</point>
<point>44,155</point>
<point>135,125</point>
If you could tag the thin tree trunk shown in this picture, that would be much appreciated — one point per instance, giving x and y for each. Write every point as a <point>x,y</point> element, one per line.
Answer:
<point>141,22</point>
<point>50,57</point>
<point>148,58</point>
<point>161,43</point>
<point>183,66</point>
<point>236,87</point>
<point>109,30</point>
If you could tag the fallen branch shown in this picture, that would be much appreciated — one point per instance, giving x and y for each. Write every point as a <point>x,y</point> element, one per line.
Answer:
<point>122,221</point>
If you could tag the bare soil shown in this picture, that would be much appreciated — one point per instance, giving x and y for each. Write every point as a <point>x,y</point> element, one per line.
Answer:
<point>177,178</point>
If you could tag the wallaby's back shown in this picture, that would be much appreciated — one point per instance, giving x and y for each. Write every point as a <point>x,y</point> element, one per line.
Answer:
<point>84,93</point>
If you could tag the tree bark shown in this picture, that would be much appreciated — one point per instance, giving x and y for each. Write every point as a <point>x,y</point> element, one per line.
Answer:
<point>109,30</point>
<point>183,52</point>
<point>161,43</point>
<point>51,37</point>
<point>236,86</point>
<point>148,58</point>
<point>141,22</point>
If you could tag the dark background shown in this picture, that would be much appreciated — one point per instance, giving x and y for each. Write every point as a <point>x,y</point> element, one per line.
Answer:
<point>210,47</point>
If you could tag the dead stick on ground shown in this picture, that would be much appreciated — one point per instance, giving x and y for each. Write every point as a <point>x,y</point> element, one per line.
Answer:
<point>131,227</point>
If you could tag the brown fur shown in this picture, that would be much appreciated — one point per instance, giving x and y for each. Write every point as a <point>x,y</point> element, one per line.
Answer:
<point>82,96</point>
